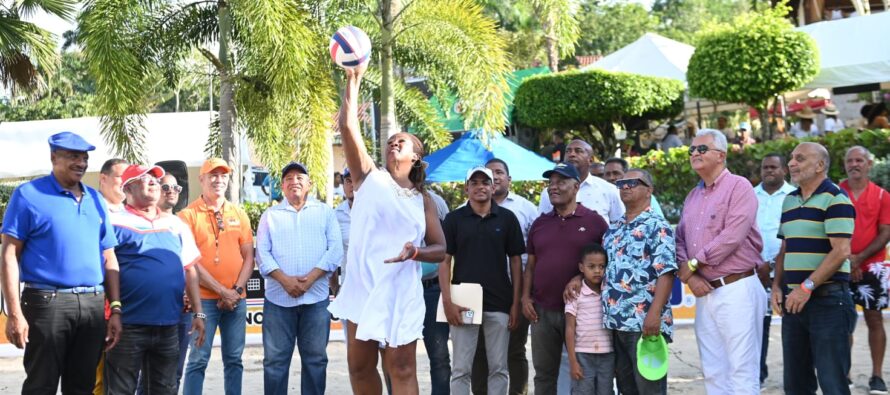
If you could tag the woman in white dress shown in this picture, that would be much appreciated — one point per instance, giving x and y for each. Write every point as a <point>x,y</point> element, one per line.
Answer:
<point>394,228</point>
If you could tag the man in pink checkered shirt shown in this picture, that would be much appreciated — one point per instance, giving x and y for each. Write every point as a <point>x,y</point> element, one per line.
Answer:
<point>718,250</point>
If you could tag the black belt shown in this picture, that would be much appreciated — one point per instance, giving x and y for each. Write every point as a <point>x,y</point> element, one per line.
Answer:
<point>825,289</point>
<point>430,282</point>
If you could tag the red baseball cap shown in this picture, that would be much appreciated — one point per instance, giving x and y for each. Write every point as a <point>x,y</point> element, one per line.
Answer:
<point>135,171</point>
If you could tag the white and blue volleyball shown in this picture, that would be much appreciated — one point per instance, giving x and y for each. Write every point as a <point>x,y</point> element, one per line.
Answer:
<point>350,47</point>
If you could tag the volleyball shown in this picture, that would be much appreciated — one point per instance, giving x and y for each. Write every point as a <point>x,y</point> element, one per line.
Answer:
<point>350,47</point>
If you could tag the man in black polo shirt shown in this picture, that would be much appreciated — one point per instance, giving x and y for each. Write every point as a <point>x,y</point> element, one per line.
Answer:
<point>479,236</point>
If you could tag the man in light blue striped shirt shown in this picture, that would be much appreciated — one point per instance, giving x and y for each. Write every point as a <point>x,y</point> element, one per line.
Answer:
<point>298,247</point>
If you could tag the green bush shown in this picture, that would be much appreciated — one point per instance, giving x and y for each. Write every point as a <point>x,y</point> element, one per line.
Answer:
<point>578,99</point>
<point>254,212</point>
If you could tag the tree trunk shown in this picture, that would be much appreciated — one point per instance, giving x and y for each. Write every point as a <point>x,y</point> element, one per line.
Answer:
<point>228,134</point>
<point>551,42</point>
<point>766,130</point>
<point>389,125</point>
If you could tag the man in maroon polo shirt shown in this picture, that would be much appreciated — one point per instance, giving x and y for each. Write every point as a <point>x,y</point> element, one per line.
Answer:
<point>554,247</point>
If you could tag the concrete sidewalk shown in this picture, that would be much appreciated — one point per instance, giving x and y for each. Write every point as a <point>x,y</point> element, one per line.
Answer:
<point>684,376</point>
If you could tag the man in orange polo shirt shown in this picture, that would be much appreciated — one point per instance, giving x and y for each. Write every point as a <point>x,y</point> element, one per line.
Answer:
<point>223,234</point>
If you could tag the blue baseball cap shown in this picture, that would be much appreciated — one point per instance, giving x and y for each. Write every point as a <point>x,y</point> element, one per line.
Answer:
<point>565,170</point>
<point>294,166</point>
<point>346,172</point>
<point>69,141</point>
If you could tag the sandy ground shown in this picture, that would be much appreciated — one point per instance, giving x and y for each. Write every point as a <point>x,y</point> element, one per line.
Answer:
<point>684,376</point>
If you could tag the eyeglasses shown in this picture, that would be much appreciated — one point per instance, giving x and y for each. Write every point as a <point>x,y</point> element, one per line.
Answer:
<point>630,183</point>
<point>702,149</point>
<point>168,187</point>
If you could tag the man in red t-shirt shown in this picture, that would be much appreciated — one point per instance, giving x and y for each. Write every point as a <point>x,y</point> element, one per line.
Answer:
<point>869,273</point>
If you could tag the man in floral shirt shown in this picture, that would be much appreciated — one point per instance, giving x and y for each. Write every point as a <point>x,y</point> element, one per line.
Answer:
<point>639,277</point>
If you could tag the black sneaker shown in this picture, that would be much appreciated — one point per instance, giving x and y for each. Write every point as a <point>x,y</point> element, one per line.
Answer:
<point>876,385</point>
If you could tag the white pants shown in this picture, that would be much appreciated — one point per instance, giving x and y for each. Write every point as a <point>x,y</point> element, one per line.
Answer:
<point>729,328</point>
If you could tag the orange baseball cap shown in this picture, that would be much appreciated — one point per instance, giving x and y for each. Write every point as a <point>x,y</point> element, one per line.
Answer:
<point>213,164</point>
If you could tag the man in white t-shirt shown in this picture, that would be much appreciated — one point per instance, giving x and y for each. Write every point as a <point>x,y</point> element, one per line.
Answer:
<point>595,193</point>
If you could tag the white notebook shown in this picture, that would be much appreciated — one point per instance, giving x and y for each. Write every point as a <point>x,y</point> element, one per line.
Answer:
<point>466,295</point>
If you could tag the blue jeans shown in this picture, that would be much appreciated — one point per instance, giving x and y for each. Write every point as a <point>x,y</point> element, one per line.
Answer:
<point>152,349</point>
<point>309,326</point>
<point>435,339</point>
<point>232,328</point>
<point>182,331</point>
<point>818,340</point>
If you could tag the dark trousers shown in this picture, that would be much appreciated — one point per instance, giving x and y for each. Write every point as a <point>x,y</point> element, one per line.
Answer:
<point>66,333</point>
<point>435,339</point>
<point>767,320</point>
<point>548,339</point>
<point>152,349</point>
<point>630,382</point>
<point>818,340</point>
<point>517,362</point>
<point>182,329</point>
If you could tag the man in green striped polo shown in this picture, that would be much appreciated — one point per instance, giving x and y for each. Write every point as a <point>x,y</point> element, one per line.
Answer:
<point>811,286</point>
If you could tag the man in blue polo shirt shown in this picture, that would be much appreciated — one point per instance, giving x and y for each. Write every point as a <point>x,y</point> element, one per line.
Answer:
<point>157,253</point>
<point>55,235</point>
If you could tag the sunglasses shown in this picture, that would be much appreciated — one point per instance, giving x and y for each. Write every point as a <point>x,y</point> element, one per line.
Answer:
<point>702,149</point>
<point>219,221</point>
<point>168,187</point>
<point>630,183</point>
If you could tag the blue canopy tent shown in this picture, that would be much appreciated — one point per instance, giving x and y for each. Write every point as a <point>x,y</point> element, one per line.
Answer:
<point>452,162</point>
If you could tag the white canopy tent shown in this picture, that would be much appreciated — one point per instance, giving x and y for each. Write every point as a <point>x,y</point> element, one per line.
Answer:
<point>170,136</point>
<point>852,51</point>
<point>651,55</point>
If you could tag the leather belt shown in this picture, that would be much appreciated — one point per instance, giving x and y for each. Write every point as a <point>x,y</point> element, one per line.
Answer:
<point>430,282</point>
<point>731,278</point>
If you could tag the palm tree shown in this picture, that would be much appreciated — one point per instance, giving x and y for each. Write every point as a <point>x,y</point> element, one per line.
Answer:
<point>27,51</point>
<point>265,61</point>
<point>561,28</point>
<point>277,82</point>
<point>451,43</point>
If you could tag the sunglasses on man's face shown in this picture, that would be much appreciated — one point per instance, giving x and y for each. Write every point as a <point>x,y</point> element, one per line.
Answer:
<point>630,183</point>
<point>168,187</point>
<point>702,149</point>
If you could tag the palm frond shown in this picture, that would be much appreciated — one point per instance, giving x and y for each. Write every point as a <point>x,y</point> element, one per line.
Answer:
<point>459,50</point>
<point>111,31</point>
<point>415,110</point>
<point>177,31</point>
<point>24,48</point>
<point>61,8</point>
<point>286,95</point>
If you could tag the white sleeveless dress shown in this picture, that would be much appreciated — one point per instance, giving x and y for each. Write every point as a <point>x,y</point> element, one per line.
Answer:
<point>385,300</point>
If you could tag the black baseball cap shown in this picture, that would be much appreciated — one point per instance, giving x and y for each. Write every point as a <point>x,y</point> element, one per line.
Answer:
<point>565,170</point>
<point>294,166</point>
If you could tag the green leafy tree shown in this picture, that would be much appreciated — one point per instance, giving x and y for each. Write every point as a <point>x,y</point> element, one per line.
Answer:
<point>751,61</point>
<point>593,102</point>
<point>559,21</point>
<point>26,48</point>
<point>681,20</point>
<point>606,28</point>
<point>67,93</point>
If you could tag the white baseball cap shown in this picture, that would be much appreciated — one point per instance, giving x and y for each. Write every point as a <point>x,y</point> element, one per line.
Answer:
<point>480,169</point>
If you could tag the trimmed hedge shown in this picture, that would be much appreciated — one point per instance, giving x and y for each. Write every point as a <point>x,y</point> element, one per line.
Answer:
<point>578,99</point>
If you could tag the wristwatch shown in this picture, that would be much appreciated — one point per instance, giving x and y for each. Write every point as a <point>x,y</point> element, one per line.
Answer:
<point>200,315</point>
<point>238,289</point>
<point>809,285</point>
<point>693,264</point>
